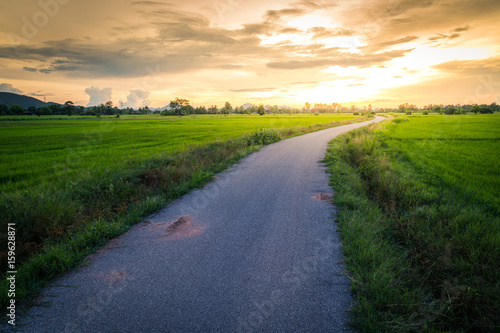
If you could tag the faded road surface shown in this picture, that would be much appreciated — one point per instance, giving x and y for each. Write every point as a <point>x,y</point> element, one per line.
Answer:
<point>254,251</point>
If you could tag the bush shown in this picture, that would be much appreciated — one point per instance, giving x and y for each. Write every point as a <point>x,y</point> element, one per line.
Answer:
<point>425,113</point>
<point>263,137</point>
<point>485,111</point>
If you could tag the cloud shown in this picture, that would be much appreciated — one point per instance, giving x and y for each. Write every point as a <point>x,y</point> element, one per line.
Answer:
<point>384,20</point>
<point>470,68</point>
<point>398,41</point>
<point>460,29</point>
<point>254,90</point>
<point>322,32</point>
<point>345,61</point>
<point>316,4</point>
<point>399,7</point>
<point>39,94</point>
<point>257,28</point>
<point>148,3</point>
<point>7,87</point>
<point>442,36</point>
<point>304,83</point>
<point>98,95</point>
<point>278,14</point>
<point>136,99</point>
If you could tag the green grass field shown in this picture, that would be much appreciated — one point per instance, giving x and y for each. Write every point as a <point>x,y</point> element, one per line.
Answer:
<point>37,152</point>
<point>69,185</point>
<point>463,151</point>
<point>419,208</point>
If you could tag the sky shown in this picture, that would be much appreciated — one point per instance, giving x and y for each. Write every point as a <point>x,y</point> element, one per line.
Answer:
<point>285,52</point>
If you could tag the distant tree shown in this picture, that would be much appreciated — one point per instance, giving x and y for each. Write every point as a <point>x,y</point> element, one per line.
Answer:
<point>188,109</point>
<point>450,109</point>
<point>45,111</point>
<point>261,110</point>
<point>475,109</point>
<point>107,108</point>
<point>17,109</point>
<point>56,108</point>
<point>227,108</point>
<point>485,110</point>
<point>201,110</point>
<point>213,109</point>
<point>4,109</point>
<point>177,105</point>
<point>495,107</point>
<point>438,109</point>
<point>307,107</point>
<point>69,108</point>
<point>32,109</point>
<point>405,107</point>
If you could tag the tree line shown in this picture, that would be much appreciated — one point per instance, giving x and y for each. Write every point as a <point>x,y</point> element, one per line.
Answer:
<point>180,107</point>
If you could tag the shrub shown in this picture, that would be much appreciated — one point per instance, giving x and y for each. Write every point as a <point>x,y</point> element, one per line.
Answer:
<point>486,111</point>
<point>425,113</point>
<point>263,137</point>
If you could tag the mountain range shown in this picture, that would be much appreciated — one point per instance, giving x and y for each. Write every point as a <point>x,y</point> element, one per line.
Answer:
<point>25,101</point>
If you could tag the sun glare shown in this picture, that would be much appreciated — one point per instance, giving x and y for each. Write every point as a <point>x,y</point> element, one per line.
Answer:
<point>424,57</point>
<point>310,21</point>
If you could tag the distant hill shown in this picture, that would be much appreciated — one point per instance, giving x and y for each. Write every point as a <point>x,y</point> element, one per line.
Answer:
<point>24,101</point>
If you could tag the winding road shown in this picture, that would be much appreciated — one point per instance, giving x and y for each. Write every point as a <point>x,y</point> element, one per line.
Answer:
<point>254,251</point>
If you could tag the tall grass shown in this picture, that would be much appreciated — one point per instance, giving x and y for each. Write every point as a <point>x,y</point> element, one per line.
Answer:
<point>422,245</point>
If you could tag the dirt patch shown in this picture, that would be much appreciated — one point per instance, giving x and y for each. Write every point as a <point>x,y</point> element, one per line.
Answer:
<point>181,228</point>
<point>323,197</point>
<point>115,276</point>
<point>145,224</point>
<point>181,224</point>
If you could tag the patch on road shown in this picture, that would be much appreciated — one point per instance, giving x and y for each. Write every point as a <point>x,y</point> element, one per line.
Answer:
<point>181,228</point>
<point>323,197</point>
<point>115,276</point>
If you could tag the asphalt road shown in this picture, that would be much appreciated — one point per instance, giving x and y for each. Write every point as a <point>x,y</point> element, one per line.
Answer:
<point>254,251</point>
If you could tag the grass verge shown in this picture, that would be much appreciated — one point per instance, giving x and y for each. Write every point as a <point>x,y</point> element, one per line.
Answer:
<point>422,251</point>
<point>56,228</point>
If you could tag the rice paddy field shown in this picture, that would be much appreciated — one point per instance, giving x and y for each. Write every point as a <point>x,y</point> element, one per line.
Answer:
<point>34,152</point>
<point>419,214</point>
<point>462,151</point>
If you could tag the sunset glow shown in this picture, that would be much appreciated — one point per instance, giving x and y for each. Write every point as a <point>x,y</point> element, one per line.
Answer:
<point>281,52</point>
